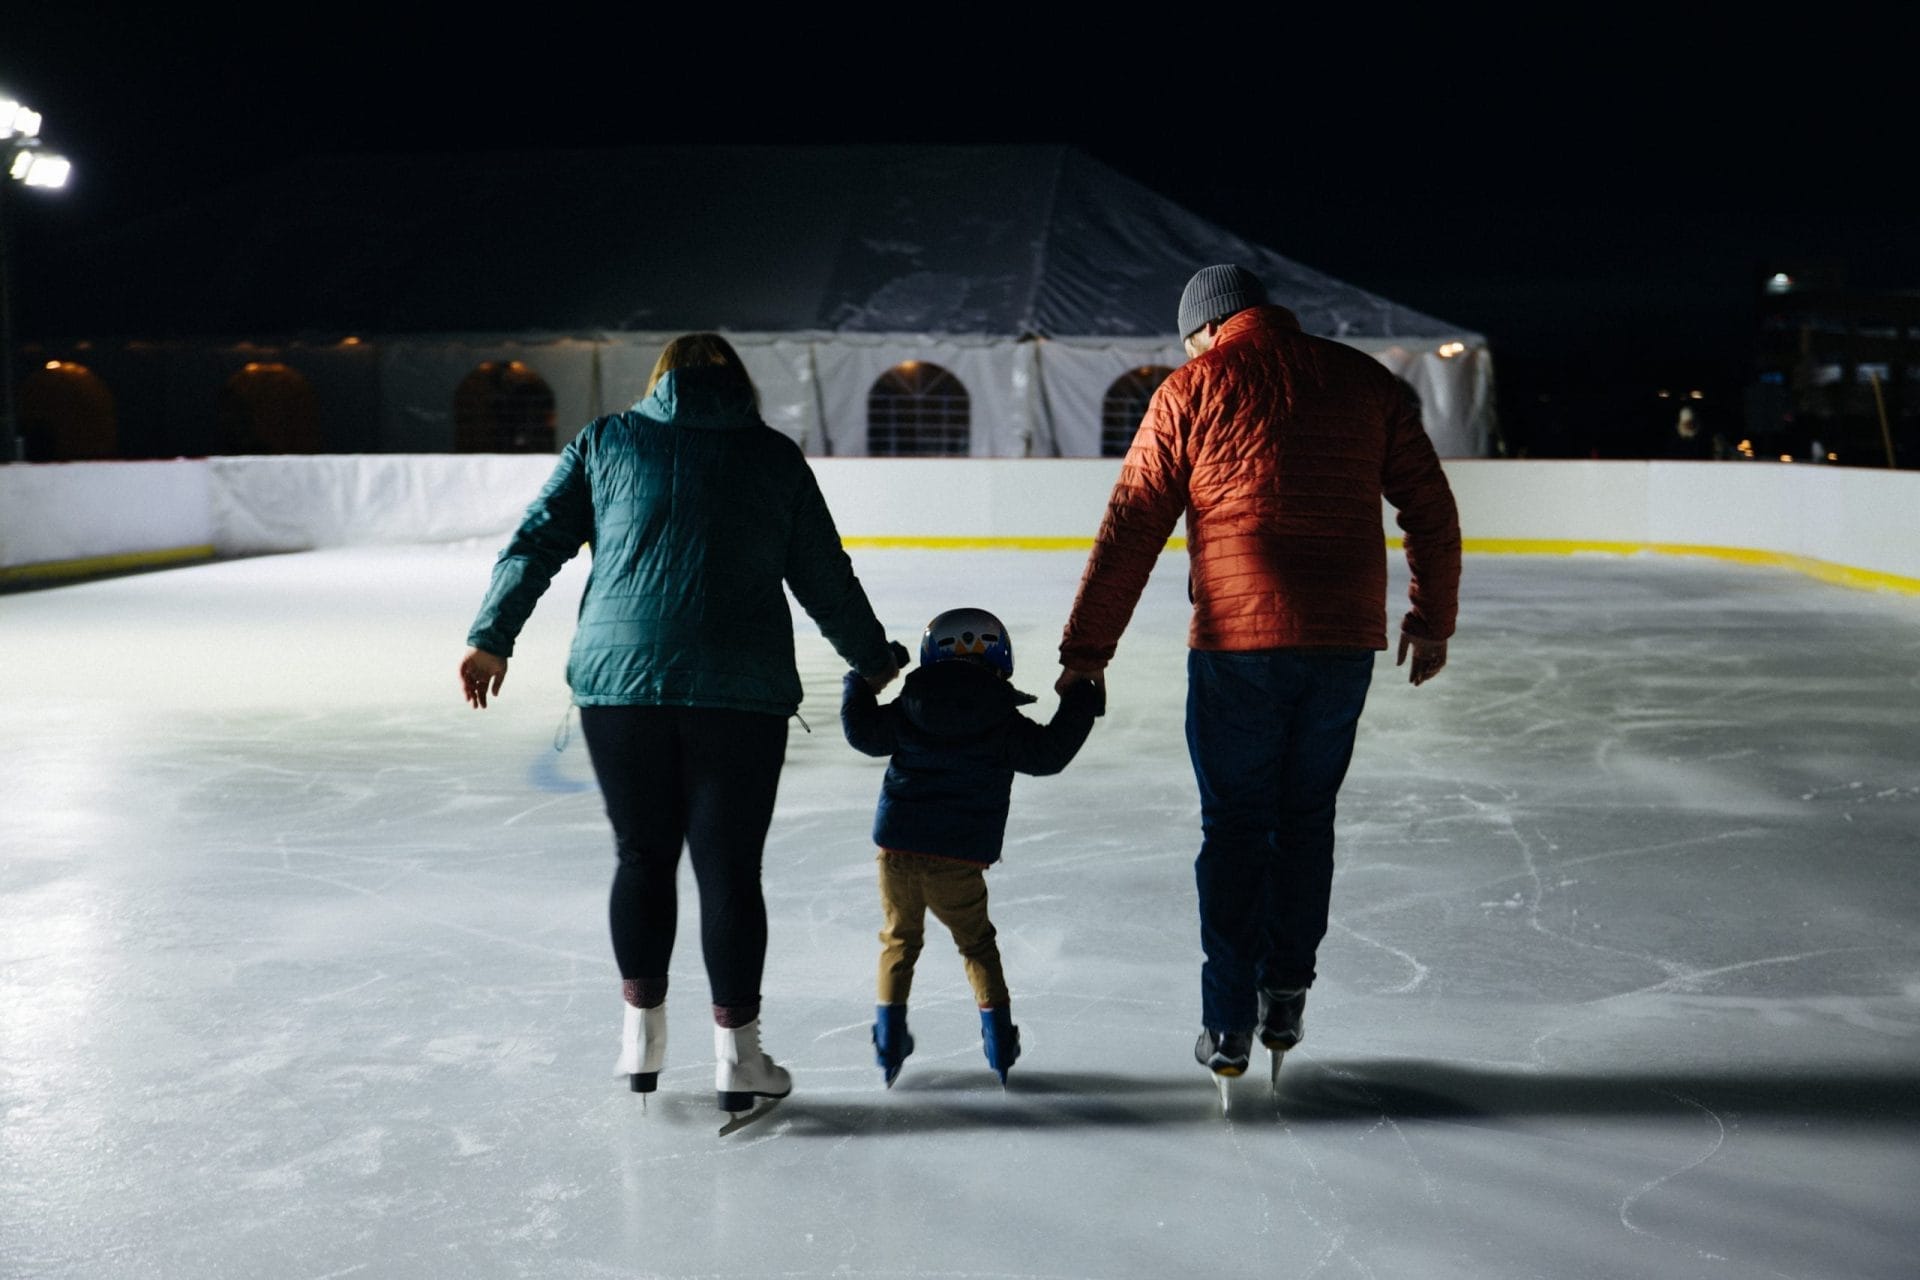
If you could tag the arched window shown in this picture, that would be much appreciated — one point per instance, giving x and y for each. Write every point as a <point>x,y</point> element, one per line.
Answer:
<point>917,410</point>
<point>267,407</point>
<point>66,414</point>
<point>503,406</point>
<point>1125,404</point>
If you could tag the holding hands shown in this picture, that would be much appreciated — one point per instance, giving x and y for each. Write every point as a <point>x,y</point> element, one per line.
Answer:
<point>900,659</point>
<point>1070,676</point>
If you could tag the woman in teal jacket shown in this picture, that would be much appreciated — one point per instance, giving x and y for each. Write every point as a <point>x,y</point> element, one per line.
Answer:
<point>699,517</point>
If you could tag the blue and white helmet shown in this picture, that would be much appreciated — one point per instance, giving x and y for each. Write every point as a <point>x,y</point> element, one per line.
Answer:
<point>971,634</point>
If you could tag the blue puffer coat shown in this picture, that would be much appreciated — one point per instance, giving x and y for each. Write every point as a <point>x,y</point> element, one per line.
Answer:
<point>956,738</point>
<point>699,516</point>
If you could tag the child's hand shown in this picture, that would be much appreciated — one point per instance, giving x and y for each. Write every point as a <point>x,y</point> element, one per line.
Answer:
<point>900,655</point>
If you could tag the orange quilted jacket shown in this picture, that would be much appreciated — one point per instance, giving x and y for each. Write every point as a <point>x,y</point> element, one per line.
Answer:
<point>1278,447</point>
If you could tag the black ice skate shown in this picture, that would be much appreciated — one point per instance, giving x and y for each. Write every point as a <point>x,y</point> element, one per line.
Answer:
<point>1283,1023</point>
<point>1224,1053</point>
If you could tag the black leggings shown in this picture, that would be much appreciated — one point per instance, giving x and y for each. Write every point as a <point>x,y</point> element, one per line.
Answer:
<point>705,778</point>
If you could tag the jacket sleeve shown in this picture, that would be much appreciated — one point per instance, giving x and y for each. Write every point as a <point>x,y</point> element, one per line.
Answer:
<point>556,525</point>
<point>870,728</point>
<point>1142,510</point>
<point>1413,482</point>
<point>823,581</point>
<point>1049,748</point>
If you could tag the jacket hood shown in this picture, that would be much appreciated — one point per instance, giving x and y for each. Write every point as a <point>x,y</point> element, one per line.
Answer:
<point>956,699</point>
<point>710,398</point>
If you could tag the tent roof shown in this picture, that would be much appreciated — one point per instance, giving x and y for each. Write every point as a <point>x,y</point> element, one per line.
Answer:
<point>976,239</point>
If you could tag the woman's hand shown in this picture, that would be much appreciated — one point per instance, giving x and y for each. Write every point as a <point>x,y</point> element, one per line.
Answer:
<point>481,673</point>
<point>900,659</point>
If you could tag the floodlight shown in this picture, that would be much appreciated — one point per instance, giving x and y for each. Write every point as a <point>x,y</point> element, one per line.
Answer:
<point>26,163</point>
<point>17,121</point>
<point>43,169</point>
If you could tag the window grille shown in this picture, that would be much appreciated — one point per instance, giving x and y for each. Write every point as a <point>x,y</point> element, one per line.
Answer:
<point>503,406</point>
<point>918,410</point>
<point>1125,404</point>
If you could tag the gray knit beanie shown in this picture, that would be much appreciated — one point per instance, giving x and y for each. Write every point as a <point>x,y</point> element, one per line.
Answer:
<point>1217,292</point>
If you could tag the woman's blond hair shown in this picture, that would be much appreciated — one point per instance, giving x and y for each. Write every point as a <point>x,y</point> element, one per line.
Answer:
<point>701,350</point>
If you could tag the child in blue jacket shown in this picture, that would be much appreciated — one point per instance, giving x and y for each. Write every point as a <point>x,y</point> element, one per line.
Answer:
<point>955,737</point>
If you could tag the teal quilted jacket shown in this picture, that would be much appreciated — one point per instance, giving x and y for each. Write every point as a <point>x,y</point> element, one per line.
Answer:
<point>699,517</point>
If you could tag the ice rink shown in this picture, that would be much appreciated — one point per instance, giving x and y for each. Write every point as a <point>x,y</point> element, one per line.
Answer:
<point>304,970</point>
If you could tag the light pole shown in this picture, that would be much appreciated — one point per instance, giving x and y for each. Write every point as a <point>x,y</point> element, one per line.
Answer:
<point>31,166</point>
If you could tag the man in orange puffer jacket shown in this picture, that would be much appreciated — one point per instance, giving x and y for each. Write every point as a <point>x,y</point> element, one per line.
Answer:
<point>1279,448</point>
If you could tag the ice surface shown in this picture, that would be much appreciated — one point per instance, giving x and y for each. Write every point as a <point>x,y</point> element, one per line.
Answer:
<point>304,971</point>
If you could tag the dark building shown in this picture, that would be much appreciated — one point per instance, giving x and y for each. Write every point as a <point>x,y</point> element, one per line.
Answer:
<point>1835,371</point>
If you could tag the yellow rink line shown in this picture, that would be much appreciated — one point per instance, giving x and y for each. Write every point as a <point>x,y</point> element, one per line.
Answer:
<point>1825,571</point>
<point>909,542</point>
<point>1844,575</point>
<point>97,566</point>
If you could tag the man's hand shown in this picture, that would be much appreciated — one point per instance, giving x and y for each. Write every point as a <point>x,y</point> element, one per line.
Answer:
<point>1428,657</point>
<point>481,673</point>
<point>1070,676</point>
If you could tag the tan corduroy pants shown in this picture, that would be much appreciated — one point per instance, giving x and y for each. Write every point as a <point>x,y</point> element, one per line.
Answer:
<point>912,884</point>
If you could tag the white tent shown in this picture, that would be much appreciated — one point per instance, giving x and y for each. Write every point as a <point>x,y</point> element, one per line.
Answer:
<point>1034,275</point>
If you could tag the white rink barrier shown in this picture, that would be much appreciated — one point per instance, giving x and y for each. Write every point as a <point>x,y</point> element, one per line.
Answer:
<point>69,520</point>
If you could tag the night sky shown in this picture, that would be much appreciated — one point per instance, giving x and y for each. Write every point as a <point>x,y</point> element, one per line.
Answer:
<point>1600,202</point>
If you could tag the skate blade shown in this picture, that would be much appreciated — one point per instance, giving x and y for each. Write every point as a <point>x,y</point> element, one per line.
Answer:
<point>1226,1097</point>
<point>738,1120</point>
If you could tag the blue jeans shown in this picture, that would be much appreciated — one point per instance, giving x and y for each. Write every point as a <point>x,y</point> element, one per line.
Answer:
<point>1271,734</point>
